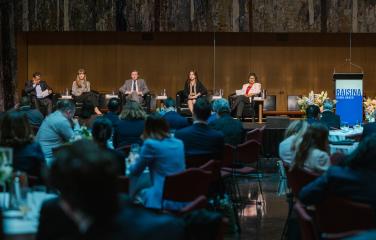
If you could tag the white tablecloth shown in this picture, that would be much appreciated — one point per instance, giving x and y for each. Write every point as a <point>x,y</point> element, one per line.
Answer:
<point>345,149</point>
<point>342,134</point>
<point>13,221</point>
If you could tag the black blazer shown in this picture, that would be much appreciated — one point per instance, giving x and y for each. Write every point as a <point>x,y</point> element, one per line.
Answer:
<point>127,132</point>
<point>30,90</point>
<point>369,129</point>
<point>200,139</point>
<point>231,128</point>
<point>175,120</point>
<point>200,88</point>
<point>330,119</point>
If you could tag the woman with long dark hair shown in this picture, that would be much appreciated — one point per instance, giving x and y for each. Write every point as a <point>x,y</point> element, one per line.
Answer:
<point>193,89</point>
<point>16,133</point>
<point>312,153</point>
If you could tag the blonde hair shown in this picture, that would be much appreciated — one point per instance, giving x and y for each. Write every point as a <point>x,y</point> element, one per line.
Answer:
<point>81,70</point>
<point>132,110</point>
<point>297,128</point>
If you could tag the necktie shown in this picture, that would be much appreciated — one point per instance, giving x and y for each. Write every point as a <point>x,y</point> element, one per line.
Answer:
<point>248,89</point>
<point>134,86</point>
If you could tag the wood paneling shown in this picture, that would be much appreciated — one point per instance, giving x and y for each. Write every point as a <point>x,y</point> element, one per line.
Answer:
<point>286,64</point>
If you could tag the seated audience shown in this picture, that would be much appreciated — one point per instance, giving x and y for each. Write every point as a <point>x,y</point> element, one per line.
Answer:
<point>369,128</point>
<point>174,119</point>
<point>312,153</point>
<point>15,132</point>
<point>200,139</point>
<point>130,126</point>
<point>328,117</point>
<point>102,132</point>
<point>34,116</point>
<point>312,114</point>
<point>57,128</point>
<point>113,107</point>
<point>87,114</point>
<point>293,137</point>
<point>355,181</point>
<point>232,129</point>
<point>213,115</point>
<point>163,154</point>
<point>89,206</point>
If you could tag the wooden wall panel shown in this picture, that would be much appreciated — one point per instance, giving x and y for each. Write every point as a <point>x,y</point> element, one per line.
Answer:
<point>283,69</point>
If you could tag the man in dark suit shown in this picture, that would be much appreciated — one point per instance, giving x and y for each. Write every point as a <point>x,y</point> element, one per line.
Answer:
<point>34,116</point>
<point>39,92</point>
<point>231,128</point>
<point>354,182</point>
<point>113,107</point>
<point>134,88</point>
<point>330,119</point>
<point>174,119</point>
<point>200,139</point>
<point>89,206</point>
<point>312,114</point>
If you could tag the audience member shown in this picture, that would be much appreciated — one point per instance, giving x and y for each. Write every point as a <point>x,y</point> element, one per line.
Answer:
<point>89,206</point>
<point>130,126</point>
<point>57,128</point>
<point>16,133</point>
<point>312,153</point>
<point>87,114</point>
<point>328,117</point>
<point>163,154</point>
<point>293,137</point>
<point>369,128</point>
<point>102,132</point>
<point>354,181</point>
<point>232,129</point>
<point>200,139</point>
<point>34,116</point>
<point>312,114</point>
<point>113,107</point>
<point>174,119</point>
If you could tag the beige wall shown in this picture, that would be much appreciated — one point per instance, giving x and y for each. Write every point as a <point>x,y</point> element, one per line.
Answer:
<point>285,68</point>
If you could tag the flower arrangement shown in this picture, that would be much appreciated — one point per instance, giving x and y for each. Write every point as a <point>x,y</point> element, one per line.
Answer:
<point>81,133</point>
<point>313,99</point>
<point>369,109</point>
<point>5,166</point>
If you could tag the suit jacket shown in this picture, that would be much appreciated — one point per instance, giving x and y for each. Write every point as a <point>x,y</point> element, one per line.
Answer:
<point>330,119</point>
<point>113,117</point>
<point>200,139</point>
<point>200,88</point>
<point>175,120</point>
<point>232,129</point>
<point>163,157</point>
<point>34,116</point>
<point>128,132</point>
<point>369,129</point>
<point>131,222</point>
<point>30,89</point>
<point>127,86</point>
<point>357,185</point>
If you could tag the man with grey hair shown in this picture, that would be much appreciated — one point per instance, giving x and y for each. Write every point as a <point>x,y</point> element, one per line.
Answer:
<point>328,117</point>
<point>231,128</point>
<point>57,128</point>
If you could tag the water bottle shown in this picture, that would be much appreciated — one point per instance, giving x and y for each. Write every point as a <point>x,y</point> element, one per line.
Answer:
<point>66,92</point>
<point>164,92</point>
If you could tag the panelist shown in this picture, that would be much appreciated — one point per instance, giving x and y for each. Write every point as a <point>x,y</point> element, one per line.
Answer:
<point>249,90</point>
<point>193,89</point>
<point>135,88</point>
<point>81,90</point>
<point>39,92</point>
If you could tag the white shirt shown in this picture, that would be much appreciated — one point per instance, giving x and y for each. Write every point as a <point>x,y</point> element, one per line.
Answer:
<point>255,89</point>
<point>39,91</point>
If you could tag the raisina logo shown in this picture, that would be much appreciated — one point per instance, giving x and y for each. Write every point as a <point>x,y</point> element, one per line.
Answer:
<point>348,93</point>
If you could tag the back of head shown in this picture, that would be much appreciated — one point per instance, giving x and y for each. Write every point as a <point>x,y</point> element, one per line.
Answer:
<point>15,129</point>
<point>328,105</point>
<point>202,109</point>
<point>297,127</point>
<point>156,127</point>
<point>101,130</point>
<point>132,110</point>
<point>114,105</point>
<point>65,105</point>
<point>316,136</point>
<point>87,110</point>
<point>364,155</point>
<point>25,101</point>
<point>312,112</point>
<point>85,176</point>
<point>221,106</point>
<point>170,103</point>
